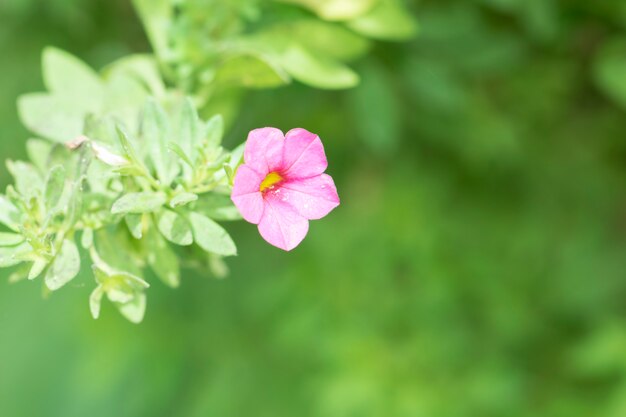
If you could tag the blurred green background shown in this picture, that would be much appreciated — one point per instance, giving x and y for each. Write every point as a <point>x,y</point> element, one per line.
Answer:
<point>476,266</point>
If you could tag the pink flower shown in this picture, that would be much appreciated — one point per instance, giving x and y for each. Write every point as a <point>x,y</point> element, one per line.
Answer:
<point>281,185</point>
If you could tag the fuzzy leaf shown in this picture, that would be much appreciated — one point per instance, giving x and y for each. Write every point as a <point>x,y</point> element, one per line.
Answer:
<point>54,117</point>
<point>64,267</point>
<point>135,224</point>
<point>142,202</point>
<point>162,259</point>
<point>13,255</point>
<point>28,182</point>
<point>10,216</point>
<point>210,236</point>
<point>217,207</point>
<point>55,184</point>
<point>95,300</point>
<point>67,75</point>
<point>183,199</point>
<point>174,227</point>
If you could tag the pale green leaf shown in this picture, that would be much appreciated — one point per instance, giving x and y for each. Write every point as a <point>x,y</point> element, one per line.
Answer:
<point>182,199</point>
<point>336,9</point>
<point>64,267</point>
<point>174,227</point>
<point>58,118</point>
<point>217,207</point>
<point>134,222</point>
<point>55,184</point>
<point>86,239</point>
<point>388,21</point>
<point>251,71</point>
<point>210,236</point>
<point>28,181</point>
<point>134,310</point>
<point>67,75</point>
<point>10,216</point>
<point>317,70</point>
<point>143,68</point>
<point>10,239</point>
<point>95,300</point>
<point>162,259</point>
<point>37,268</point>
<point>13,255</point>
<point>142,202</point>
<point>38,151</point>
<point>155,130</point>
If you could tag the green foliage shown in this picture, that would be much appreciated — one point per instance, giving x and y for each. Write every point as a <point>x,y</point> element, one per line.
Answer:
<point>146,164</point>
<point>213,49</point>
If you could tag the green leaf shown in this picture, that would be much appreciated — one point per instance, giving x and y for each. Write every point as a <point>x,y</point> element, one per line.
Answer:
<point>28,181</point>
<point>174,147</point>
<point>217,207</point>
<point>156,16</point>
<point>134,310</point>
<point>210,236</point>
<point>336,9</point>
<point>330,39</point>
<point>609,70</point>
<point>155,129</point>
<point>189,131</point>
<point>64,267</point>
<point>128,149</point>
<point>142,202</point>
<point>119,250</point>
<point>317,70</point>
<point>57,118</point>
<point>66,75</point>
<point>162,259</point>
<point>143,68</point>
<point>55,184</point>
<point>214,131</point>
<point>86,239</point>
<point>13,255</point>
<point>95,300</point>
<point>388,21</point>
<point>38,151</point>
<point>183,199</point>
<point>10,216</point>
<point>174,227</point>
<point>10,239</point>
<point>135,224</point>
<point>37,268</point>
<point>251,71</point>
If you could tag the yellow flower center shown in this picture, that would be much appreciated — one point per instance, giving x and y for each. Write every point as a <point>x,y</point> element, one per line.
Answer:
<point>270,181</point>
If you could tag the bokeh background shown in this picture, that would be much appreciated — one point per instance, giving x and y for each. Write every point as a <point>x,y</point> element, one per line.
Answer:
<point>476,266</point>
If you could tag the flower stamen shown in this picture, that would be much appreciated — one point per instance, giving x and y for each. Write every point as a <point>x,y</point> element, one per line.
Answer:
<point>270,181</point>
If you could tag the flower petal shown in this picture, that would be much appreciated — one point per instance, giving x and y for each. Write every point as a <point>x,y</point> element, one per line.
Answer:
<point>246,194</point>
<point>264,149</point>
<point>281,226</point>
<point>303,156</point>
<point>313,198</point>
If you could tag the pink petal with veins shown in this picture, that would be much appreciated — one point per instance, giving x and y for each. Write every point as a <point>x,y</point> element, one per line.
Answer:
<point>264,149</point>
<point>246,194</point>
<point>282,226</point>
<point>304,155</point>
<point>313,198</point>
